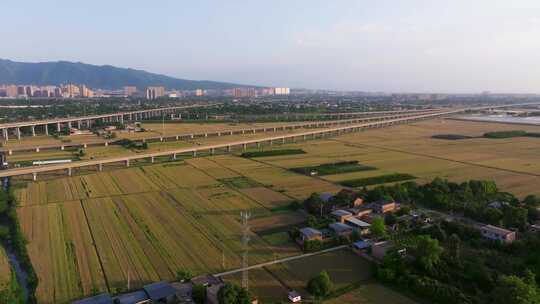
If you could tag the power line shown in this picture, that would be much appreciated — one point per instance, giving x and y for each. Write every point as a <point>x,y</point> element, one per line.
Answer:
<point>245,215</point>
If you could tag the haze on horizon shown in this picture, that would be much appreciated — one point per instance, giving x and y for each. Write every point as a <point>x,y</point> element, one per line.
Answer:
<point>389,45</point>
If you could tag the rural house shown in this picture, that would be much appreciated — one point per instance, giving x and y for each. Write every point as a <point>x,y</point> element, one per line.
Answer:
<point>341,215</point>
<point>309,234</point>
<point>358,225</point>
<point>497,234</point>
<point>384,206</point>
<point>160,292</point>
<point>341,229</point>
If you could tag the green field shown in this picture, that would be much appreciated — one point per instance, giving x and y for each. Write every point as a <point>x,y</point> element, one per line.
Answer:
<point>333,168</point>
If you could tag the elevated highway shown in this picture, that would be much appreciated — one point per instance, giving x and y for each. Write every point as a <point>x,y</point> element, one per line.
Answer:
<point>242,144</point>
<point>87,121</point>
<point>260,129</point>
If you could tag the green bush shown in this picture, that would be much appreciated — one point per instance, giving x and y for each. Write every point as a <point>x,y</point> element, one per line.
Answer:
<point>272,153</point>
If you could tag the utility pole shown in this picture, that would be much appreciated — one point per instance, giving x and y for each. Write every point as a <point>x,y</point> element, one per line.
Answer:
<point>245,215</point>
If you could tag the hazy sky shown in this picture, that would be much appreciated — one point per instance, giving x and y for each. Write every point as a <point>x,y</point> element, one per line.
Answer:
<point>383,45</point>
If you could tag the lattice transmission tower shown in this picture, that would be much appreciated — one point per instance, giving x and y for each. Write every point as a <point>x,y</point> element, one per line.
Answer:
<point>245,215</point>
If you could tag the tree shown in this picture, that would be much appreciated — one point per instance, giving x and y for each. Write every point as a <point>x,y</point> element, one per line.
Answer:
<point>454,247</point>
<point>199,294</point>
<point>515,217</point>
<point>321,285</point>
<point>514,290</point>
<point>531,201</point>
<point>183,275</point>
<point>314,204</point>
<point>233,294</point>
<point>390,219</point>
<point>378,229</point>
<point>428,251</point>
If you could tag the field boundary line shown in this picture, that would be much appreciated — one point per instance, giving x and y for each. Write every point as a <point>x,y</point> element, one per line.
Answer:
<point>94,246</point>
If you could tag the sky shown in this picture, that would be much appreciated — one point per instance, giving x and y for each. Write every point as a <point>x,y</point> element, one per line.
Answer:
<point>445,46</point>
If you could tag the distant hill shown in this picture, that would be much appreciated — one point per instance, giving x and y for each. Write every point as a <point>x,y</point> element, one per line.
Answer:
<point>104,77</point>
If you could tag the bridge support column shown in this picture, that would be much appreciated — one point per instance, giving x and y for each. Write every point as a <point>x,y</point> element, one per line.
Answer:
<point>34,176</point>
<point>62,148</point>
<point>5,134</point>
<point>85,146</point>
<point>58,127</point>
<point>229,148</point>
<point>258,144</point>
<point>10,152</point>
<point>212,151</point>
<point>152,159</point>
<point>33,130</point>
<point>283,140</point>
<point>106,143</point>
<point>69,125</point>
<point>46,130</point>
<point>69,171</point>
<point>100,167</point>
<point>79,124</point>
<point>205,134</point>
<point>244,147</point>
<point>18,130</point>
<point>194,153</point>
<point>191,136</point>
<point>127,162</point>
<point>37,149</point>
<point>174,156</point>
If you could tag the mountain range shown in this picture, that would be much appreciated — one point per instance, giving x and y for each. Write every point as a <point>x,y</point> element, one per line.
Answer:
<point>94,76</point>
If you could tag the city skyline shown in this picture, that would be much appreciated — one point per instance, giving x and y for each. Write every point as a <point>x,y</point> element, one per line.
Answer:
<point>390,46</point>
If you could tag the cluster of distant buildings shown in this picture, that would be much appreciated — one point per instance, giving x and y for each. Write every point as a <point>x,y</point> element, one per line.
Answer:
<point>244,92</point>
<point>32,91</point>
<point>152,92</point>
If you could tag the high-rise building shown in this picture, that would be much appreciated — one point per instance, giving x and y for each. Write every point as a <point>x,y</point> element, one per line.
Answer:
<point>154,92</point>
<point>282,91</point>
<point>199,92</point>
<point>244,92</point>
<point>11,91</point>
<point>130,91</point>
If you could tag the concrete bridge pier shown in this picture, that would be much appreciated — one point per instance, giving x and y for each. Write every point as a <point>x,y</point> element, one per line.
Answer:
<point>127,162</point>
<point>194,153</point>
<point>244,147</point>
<point>58,127</point>
<point>152,159</point>
<point>79,124</point>
<point>69,171</point>
<point>18,130</point>
<point>229,148</point>
<point>46,127</point>
<point>5,134</point>
<point>34,176</point>
<point>100,167</point>
<point>33,128</point>
<point>174,156</point>
<point>212,151</point>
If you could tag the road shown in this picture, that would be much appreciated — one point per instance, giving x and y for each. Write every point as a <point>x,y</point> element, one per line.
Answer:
<point>292,258</point>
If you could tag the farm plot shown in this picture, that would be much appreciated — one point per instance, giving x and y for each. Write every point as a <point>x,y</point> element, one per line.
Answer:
<point>343,266</point>
<point>61,252</point>
<point>371,293</point>
<point>262,284</point>
<point>5,269</point>
<point>277,179</point>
